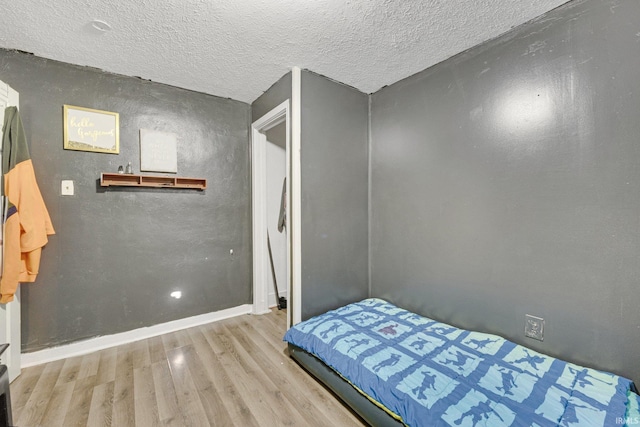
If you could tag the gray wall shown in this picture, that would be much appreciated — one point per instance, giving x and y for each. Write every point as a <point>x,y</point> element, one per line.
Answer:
<point>334,178</point>
<point>119,253</point>
<point>279,92</point>
<point>505,182</point>
<point>334,168</point>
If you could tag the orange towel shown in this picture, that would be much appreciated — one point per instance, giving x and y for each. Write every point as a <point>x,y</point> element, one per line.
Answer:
<point>27,224</point>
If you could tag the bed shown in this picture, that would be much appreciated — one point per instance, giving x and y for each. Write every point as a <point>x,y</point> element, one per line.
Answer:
<point>394,367</point>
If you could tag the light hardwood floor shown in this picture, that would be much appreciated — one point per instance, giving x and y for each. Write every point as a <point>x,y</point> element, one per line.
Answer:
<point>235,372</point>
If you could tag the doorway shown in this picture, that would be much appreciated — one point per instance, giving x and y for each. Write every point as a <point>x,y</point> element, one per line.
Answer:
<point>276,174</point>
<point>288,112</point>
<point>270,183</point>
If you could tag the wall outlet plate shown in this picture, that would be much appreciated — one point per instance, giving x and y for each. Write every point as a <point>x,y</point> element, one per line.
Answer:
<point>534,327</point>
<point>66,188</point>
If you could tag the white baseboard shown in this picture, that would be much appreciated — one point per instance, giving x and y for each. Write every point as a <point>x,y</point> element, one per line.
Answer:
<point>100,343</point>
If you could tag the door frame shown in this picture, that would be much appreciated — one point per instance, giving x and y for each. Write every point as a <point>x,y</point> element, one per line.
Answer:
<point>273,118</point>
<point>10,312</point>
<point>288,112</point>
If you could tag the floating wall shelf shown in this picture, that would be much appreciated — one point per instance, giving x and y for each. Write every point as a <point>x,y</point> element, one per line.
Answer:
<point>128,180</point>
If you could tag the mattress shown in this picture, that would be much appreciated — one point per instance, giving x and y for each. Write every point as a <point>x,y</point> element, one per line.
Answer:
<point>423,372</point>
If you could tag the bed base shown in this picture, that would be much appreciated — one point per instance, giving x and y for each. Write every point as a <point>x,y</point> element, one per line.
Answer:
<point>361,405</point>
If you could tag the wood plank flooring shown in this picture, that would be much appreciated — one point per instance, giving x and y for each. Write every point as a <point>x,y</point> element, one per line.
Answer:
<point>235,372</point>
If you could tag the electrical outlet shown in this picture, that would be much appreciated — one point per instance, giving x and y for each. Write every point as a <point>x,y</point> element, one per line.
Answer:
<point>534,327</point>
<point>66,188</point>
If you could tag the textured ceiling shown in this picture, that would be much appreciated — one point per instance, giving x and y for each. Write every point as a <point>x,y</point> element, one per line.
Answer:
<point>239,48</point>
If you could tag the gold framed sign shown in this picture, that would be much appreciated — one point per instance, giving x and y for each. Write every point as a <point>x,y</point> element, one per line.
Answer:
<point>86,129</point>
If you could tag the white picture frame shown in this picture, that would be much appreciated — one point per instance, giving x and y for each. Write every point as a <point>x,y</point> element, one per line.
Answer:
<point>158,151</point>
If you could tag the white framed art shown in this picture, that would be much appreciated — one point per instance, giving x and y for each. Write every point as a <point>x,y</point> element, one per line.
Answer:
<point>158,151</point>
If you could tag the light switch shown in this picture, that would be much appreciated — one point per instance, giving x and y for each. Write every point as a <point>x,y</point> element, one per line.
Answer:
<point>67,188</point>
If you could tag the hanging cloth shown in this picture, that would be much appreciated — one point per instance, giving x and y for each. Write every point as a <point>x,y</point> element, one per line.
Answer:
<point>282,218</point>
<point>27,223</point>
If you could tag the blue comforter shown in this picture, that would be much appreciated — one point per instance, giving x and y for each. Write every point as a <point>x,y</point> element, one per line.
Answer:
<point>428,373</point>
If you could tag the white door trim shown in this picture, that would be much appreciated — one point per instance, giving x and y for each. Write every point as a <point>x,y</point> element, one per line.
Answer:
<point>295,294</point>
<point>259,220</point>
<point>9,313</point>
